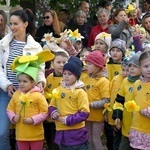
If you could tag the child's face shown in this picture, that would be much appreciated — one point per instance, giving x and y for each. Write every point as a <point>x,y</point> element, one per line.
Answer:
<point>83,55</point>
<point>25,84</point>
<point>125,71</point>
<point>142,36</point>
<point>134,70</point>
<point>101,46</point>
<point>58,64</point>
<point>78,45</point>
<point>80,20</point>
<point>116,54</point>
<point>145,67</point>
<point>69,78</point>
<point>91,68</point>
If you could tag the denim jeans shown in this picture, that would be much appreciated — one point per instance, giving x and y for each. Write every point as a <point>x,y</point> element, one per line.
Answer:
<point>4,121</point>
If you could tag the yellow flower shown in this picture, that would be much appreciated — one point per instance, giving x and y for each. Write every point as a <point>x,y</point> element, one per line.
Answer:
<point>48,37</point>
<point>14,64</point>
<point>25,99</point>
<point>27,58</point>
<point>118,106</point>
<point>75,34</point>
<point>106,108</point>
<point>103,35</point>
<point>131,106</point>
<point>47,95</point>
<point>129,9</point>
<point>55,94</point>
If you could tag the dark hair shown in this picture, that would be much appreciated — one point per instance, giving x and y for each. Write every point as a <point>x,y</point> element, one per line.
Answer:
<point>26,15</point>
<point>4,24</point>
<point>64,10</point>
<point>144,56</point>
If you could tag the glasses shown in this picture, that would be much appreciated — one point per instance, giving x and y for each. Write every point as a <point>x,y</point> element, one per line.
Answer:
<point>47,17</point>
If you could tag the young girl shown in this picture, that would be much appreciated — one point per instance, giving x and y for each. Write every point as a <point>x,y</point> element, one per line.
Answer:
<point>124,95</point>
<point>97,88</point>
<point>28,107</point>
<point>70,109</point>
<point>139,135</point>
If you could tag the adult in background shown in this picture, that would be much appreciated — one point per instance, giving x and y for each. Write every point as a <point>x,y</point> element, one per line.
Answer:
<point>51,24</point>
<point>120,27</point>
<point>81,24</point>
<point>103,23</point>
<point>16,43</point>
<point>4,28</point>
<point>85,7</point>
<point>146,24</point>
<point>63,16</point>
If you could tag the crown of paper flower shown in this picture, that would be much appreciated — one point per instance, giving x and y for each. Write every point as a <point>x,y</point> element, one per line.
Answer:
<point>29,64</point>
<point>48,37</point>
<point>131,106</point>
<point>72,35</point>
<point>104,35</point>
<point>129,9</point>
<point>106,108</point>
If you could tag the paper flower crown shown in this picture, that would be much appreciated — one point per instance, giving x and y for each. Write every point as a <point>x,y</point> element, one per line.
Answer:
<point>67,34</point>
<point>29,64</point>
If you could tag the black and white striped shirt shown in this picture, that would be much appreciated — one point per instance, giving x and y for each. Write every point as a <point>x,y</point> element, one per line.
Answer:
<point>15,50</point>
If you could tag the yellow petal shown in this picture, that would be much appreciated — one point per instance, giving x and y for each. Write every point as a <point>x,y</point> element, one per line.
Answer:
<point>24,59</point>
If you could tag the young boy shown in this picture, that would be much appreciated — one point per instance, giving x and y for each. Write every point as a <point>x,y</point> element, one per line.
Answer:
<point>71,109</point>
<point>117,52</point>
<point>53,81</point>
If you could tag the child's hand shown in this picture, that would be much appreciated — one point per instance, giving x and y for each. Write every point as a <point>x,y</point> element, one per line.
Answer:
<point>117,123</point>
<point>62,120</point>
<point>16,118</point>
<point>28,121</point>
<point>55,115</point>
<point>68,42</point>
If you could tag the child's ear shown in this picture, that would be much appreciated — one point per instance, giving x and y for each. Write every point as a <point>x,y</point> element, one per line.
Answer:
<point>52,63</point>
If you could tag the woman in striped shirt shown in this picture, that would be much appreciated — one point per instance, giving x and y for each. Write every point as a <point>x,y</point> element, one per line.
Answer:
<point>18,42</point>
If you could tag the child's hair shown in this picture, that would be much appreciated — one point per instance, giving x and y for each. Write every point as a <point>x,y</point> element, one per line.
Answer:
<point>85,50</point>
<point>60,53</point>
<point>29,77</point>
<point>143,56</point>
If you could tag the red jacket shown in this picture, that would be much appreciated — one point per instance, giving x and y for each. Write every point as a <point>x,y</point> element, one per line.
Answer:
<point>95,31</point>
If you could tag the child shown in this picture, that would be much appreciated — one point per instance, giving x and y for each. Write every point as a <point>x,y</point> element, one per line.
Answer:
<point>117,52</point>
<point>53,81</point>
<point>28,107</point>
<point>124,95</point>
<point>97,88</point>
<point>102,42</point>
<point>139,135</point>
<point>114,87</point>
<point>71,109</point>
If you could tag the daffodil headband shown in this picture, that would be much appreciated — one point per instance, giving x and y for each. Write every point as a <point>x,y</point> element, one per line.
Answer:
<point>129,9</point>
<point>29,64</point>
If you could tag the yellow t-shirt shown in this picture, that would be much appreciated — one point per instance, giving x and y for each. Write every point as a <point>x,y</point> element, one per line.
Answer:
<point>141,95</point>
<point>97,89</point>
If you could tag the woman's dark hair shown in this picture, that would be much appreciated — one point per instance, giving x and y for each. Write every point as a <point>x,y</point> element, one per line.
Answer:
<point>144,56</point>
<point>26,15</point>
<point>4,24</point>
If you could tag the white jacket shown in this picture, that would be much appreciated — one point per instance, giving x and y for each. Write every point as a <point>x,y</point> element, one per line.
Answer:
<point>32,47</point>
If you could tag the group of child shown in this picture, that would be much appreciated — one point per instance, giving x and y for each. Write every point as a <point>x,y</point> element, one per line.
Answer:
<point>77,91</point>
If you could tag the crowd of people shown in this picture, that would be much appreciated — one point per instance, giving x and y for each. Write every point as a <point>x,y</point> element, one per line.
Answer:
<point>72,80</point>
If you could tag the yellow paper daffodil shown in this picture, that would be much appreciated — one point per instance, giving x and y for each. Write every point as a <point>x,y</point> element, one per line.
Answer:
<point>74,34</point>
<point>14,64</point>
<point>131,106</point>
<point>106,108</point>
<point>47,95</point>
<point>25,99</point>
<point>55,94</point>
<point>129,9</point>
<point>118,106</point>
<point>27,58</point>
<point>48,37</point>
<point>103,35</point>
